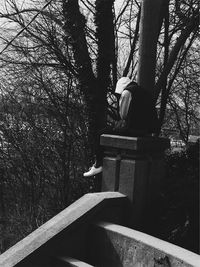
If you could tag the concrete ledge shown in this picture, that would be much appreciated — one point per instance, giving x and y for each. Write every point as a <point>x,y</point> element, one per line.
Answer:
<point>54,226</point>
<point>145,248</point>
<point>134,143</point>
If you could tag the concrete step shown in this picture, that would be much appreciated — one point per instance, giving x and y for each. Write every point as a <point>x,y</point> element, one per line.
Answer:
<point>112,245</point>
<point>71,262</point>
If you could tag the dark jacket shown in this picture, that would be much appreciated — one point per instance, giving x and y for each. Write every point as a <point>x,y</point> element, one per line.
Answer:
<point>142,116</point>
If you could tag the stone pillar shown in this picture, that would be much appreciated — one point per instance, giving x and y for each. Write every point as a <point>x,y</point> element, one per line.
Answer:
<point>134,166</point>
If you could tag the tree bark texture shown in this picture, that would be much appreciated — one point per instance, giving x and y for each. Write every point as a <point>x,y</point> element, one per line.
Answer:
<point>93,85</point>
<point>149,32</point>
<point>106,53</point>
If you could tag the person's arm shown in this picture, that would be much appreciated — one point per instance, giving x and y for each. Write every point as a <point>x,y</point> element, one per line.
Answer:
<point>124,104</point>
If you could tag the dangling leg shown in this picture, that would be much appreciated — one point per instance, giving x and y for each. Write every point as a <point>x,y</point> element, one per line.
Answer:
<point>97,166</point>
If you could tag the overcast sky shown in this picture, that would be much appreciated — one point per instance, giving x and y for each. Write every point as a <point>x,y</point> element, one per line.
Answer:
<point>5,24</point>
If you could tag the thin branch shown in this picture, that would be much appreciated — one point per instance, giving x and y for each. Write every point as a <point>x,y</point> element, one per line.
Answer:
<point>122,12</point>
<point>130,59</point>
<point>87,6</point>
<point>23,29</point>
<point>192,26</point>
<point>28,10</point>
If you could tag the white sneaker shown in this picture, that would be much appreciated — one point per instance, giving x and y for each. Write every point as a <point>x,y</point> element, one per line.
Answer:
<point>93,171</point>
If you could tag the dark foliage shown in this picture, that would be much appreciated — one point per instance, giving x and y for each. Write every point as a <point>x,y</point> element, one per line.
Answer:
<point>177,217</point>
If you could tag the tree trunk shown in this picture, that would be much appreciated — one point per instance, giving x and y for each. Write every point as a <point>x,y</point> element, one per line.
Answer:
<point>94,87</point>
<point>105,40</point>
<point>149,31</point>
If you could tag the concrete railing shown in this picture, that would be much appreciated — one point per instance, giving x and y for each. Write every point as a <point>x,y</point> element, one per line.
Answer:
<point>118,244</point>
<point>93,232</point>
<point>48,238</point>
<point>135,168</point>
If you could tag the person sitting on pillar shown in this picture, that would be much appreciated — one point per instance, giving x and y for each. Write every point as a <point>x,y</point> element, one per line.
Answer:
<point>138,118</point>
